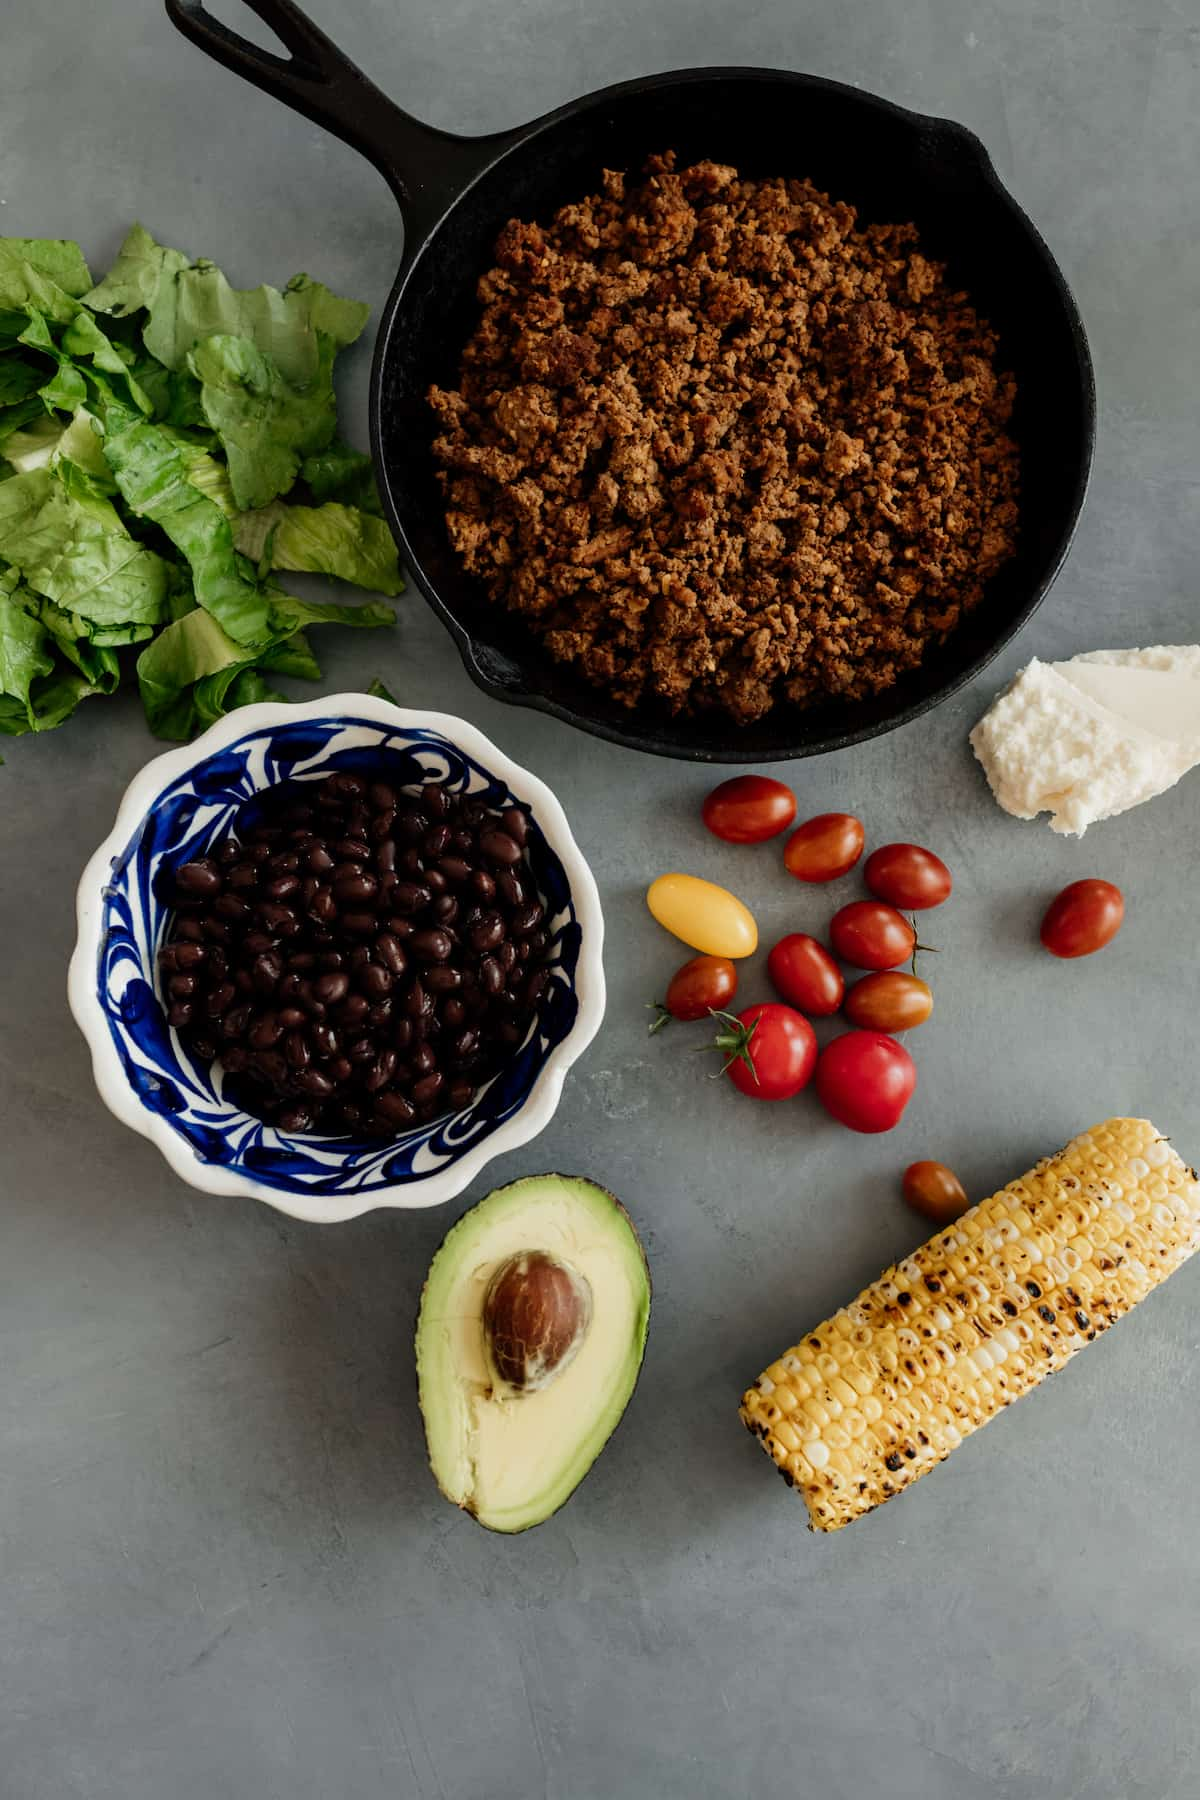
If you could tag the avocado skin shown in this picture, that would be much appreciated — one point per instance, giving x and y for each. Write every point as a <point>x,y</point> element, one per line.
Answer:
<point>644,1268</point>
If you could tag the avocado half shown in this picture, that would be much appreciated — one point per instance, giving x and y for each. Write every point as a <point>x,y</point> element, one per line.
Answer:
<point>511,1455</point>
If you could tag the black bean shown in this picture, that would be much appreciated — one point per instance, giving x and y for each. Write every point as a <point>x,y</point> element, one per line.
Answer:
<point>271,1066</point>
<point>442,978</point>
<point>319,860</point>
<point>179,1014</point>
<point>242,877</point>
<point>296,1049</point>
<point>189,930</point>
<point>526,918</point>
<point>510,887</point>
<point>182,987</point>
<point>475,1002</point>
<point>360,923</point>
<point>362,1050</point>
<point>291,1016</point>
<point>411,862</point>
<point>465,1045</point>
<point>509,1032</point>
<point>491,975</point>
<point>390,952</point>
<point>359,957</point>
<point>311,1081</point>
<point>488,933</point>
<point>339,1070</point>
<point>536,944</point>
<point>281,888</point>
<point>385,856</point>
<point>330,961</point>
<point>216,931</point>
<point>301,961</point>
<point>374,980</point>
<point>393,1109</point>
<point>289,987</point>
<point>332,987</point>
<point>234,1059</point>
<point>431,946</point>
<point>380,1072</point>
<point>419,1004</point>
<point>314,1008</point>
<point>483,884</point>
<point>424,1060</point>
<point>381,796</point>
<point>444,909</point>
<point>506,956</point>
<point>456,871</point>
<point>168,959</point>
<point>243,981</point>
<point>229,851</point>
<point>350,1113</point>
<point>296,1118</point>
<point>409,897</point>
<point>535,987</point>
<point>426,1091</point>
<point>453,1012</point>
<point>462,843</point>
<point>234,1023</point>
<point>402,1034</point>
<point>265,1031</point>
<point>347,786</point>
<point>435,799</point>
<point>257,943</point>
<point>435,881</point>
<point>324,1039</point>
<point>399,927</point>
<point>201,878</point>
<point>380,1011</point>
<point>279,919</point>
<point>353,890</point>
<point>204,1049</point>
<point>435,840</point>
<point>220,999</point>
<point>353,1010</point>
<point>516,824</point>
<point>411,827</point>
<point>499,848</point>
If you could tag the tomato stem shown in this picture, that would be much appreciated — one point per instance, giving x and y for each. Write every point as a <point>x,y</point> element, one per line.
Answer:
<point>663,1018</point>
<point>734,1043</point>
<point>918,947</point>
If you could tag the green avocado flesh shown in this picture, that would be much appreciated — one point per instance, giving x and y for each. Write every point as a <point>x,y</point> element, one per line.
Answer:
<point>508,1457</point>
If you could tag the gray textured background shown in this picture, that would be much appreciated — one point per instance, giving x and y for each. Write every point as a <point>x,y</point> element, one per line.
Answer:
<point>224,1569</point>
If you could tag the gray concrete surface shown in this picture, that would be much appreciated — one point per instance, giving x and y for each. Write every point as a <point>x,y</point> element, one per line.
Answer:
<point>224,1569</point>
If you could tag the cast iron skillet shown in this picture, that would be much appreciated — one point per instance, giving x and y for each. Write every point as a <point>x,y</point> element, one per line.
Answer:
<point>455,194</point>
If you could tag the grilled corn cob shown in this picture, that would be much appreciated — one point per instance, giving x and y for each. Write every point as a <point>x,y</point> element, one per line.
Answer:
<point>885,1389</point>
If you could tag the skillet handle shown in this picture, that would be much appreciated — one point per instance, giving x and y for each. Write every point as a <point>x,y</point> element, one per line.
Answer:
<point>424,167</point>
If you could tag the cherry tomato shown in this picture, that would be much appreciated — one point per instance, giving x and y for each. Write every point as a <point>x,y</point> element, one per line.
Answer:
<point>871,935</point>
<point>934,1191</point>
<point>905,875</point>
<point>749,809</point>
<point>771,1051</point>
<point>706,916</point>
<point>706,984</point>
<point>889,1001</point>
<point>865,1080</point>
<point>1083,918</point>
<point>825,847</point>
<point>803,971</point>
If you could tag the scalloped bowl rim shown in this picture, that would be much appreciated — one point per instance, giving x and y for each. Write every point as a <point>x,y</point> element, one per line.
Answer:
<point>540,1104</point>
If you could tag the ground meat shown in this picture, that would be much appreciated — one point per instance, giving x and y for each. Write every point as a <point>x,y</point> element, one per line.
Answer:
<point>721,446</point>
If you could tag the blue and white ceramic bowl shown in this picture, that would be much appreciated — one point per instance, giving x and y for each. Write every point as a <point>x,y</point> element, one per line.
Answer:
<point>178,806</point>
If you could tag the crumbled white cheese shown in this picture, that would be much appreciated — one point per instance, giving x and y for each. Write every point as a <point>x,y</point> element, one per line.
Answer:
<point>1089,738</point>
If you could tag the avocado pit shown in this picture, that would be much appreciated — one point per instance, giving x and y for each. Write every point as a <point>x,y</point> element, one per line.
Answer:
<point>536,1312</point>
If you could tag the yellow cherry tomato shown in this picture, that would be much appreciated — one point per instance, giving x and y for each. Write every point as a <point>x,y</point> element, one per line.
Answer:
<point>706,916</point>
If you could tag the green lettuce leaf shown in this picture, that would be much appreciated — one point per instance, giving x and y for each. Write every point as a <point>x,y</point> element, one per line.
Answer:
<point>19,377</point>
<point>73,548</point>
<point>152,472</point>
<point>25,646</point>
<point>188,302</point>
<point>73,638</point>
<point>342,474</point>
<point>323,540</point>
<point>289,613</point>
<point>84,338</point>
<point>266,426</point>
<point>48,274</point>
<point>33,445</point>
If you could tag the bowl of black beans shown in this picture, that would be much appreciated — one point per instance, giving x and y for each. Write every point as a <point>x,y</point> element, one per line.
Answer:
<point>337,956</point>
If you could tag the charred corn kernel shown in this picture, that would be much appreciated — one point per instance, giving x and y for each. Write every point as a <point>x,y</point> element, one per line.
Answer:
<point>706,916</point>
<point>941,1342</point>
